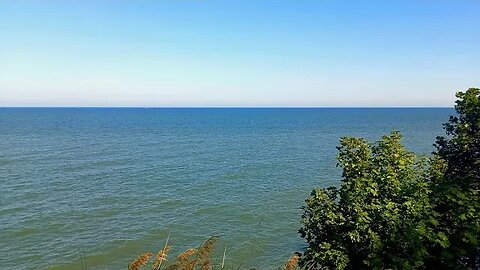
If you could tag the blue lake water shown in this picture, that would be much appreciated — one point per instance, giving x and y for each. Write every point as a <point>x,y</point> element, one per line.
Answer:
<point>113,182</point>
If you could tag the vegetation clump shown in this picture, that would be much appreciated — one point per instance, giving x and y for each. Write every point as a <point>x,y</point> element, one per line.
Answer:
<point>191,259</point>
<point>456,191</point>
<point>376,218</point>
<point>395,210</point>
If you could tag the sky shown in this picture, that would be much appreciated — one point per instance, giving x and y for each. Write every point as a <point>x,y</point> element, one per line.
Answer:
<point>237,53</point>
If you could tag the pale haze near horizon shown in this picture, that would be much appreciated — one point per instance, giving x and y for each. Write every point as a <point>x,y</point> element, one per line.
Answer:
<point>237,53</point>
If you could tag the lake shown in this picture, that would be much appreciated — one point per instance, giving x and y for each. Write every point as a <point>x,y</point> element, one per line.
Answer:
<point>112,183</point>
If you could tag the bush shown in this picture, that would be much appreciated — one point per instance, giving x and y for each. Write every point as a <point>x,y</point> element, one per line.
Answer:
<point>457,190</point>
<point>398,211</point>
<point>378,218</point>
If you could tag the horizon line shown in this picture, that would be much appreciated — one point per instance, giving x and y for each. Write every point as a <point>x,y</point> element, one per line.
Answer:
<point>233,107</point>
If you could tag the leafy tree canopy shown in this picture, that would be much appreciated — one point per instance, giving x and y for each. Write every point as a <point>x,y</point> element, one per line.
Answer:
<point>456,192</point>
<point>395,210</point>
<point>376,220</point>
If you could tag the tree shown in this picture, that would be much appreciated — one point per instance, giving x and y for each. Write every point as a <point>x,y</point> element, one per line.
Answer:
<point>396,211</point>
<point>456,191</point>
<point>378,219</point>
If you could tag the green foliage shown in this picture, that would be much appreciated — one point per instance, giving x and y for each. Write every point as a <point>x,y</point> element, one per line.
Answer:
<point>394,210</point>
<point>378,218</point>
<point>457,191</point>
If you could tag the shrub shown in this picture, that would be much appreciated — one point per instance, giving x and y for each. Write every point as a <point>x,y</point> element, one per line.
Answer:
<point>457,190</point>
<point>397,211</point>
<point>378,219</point>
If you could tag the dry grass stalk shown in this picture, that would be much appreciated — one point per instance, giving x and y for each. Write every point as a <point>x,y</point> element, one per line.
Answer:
<point>223,259</point>
<point>206,265</point>
<point>161,257</point>
<point>202,258</point>
<point>187,253</point>
<point>207,247</point>
<point>140,261</point>
<point>292,263</point>
<point>183,262</point>
<point>204,253</point>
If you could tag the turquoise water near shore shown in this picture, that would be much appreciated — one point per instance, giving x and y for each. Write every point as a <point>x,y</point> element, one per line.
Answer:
<point>113,182</point>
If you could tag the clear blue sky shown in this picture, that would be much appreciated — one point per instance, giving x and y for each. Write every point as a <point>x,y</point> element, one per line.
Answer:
<point>237,53</point>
